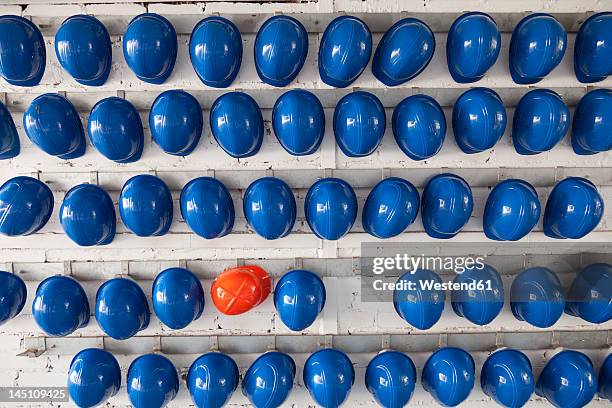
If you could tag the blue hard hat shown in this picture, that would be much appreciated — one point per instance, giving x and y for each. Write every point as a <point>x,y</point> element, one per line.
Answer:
<point>115,130</point>
<point>150,47</point>
<point>574,208</point>
<point>592,124</point>
<point>605,379</point>
<point>403,52</point>
<point>177,297</point>
<point>280,50</point>
<point>145,205</point>
<point>448,375</point>
<point>590,296</point>
<point>541,120</point>
<point>390,208</point>
<point>419,126</point>
<point>482,302</point>
<point>88,215</point>
<point>207,207</point>
<point>26,205</point>
<point>52,123</point>
<point>237,124</point>
<point>60,306</point>
<point>212,379</point>
<point>122,309</point>
<point>330,208</point>
<point>215,49</point>
<point>446,205</point>
<point>269,380</point>
<point>391,377</point>
<point>479,120</point>
<point>299,297</point>
<point>13,295</point>
<point>537,46</point>
<point>344,51</point>
<point>567,380</point>
<point>93,377</point>
<point>176,122</point>
<point>269,207</point>
<point>507,377</point>
<point>472,46</point>
<point>511,211</point>
<point>593,48</point>
<point>23,57</point>
<point>329,376</point>
<point>359,123</point>
<point>9,138</point>
<point>152,381</point>
<point>83,49</point>
<point>536,296</point>
<point>419,305</point>
<point>298,121</point>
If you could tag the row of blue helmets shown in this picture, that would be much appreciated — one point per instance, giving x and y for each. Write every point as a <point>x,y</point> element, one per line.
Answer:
<point>87,214</point>
<point>61,306</point>
<point>83,48</point>
<point>568,380</point>
<point>479,120</point>
<point>537,296</point>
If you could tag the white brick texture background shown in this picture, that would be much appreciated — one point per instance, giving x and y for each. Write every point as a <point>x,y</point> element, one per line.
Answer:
<point>29,358</point>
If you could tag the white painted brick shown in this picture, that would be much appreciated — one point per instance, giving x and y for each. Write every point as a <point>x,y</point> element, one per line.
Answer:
<point>344,313</point>
<point>315,15</point>
<point>8,9</point>
<point>435,77</point>
<point>273,156</point>
<point>55,367</point>
<point>346,321</point>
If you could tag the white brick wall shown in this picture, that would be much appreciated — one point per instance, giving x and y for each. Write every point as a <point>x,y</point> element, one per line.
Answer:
<point>348,323</point>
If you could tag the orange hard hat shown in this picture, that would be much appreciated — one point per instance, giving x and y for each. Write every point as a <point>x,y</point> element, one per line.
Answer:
<point>238,290</point>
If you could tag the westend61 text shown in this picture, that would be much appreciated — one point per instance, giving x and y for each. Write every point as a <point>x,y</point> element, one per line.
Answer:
<point>431,285</point>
